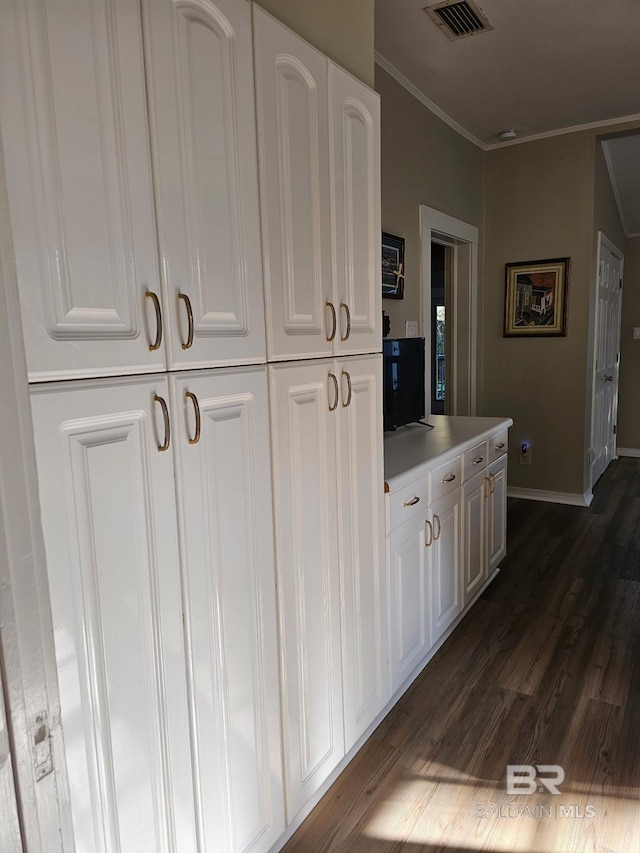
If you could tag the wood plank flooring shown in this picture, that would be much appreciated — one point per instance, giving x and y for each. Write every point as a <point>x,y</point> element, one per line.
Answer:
<point>545,669</point>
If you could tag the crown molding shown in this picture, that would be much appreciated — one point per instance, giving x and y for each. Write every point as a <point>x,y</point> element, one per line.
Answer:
<point>562,131</point>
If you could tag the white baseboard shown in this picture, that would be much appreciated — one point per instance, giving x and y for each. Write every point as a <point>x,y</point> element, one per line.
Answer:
<point>628,451</point>
<point>551,497</point>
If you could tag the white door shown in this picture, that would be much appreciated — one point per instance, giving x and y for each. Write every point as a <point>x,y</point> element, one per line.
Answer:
<point>74,132</point>
<point>293,150</point>
<point>202,114</point>
<point>607,356</point>
<point>474,496</point>
<point>304,400</point>
<point>361,537</point>
<point>496,513</point>
<point>109,521</point>
<point>445,594</point>
<point>354,121</point>
<point>10,835</point>
<point>409,639</point>
<point>221,441</point>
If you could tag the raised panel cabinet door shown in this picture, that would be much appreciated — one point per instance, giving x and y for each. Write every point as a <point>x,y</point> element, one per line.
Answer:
<point>109,521</point>
<point>202,115</point>
<point>475,493</point>
<point>361,540</point>
<point>303,401</point>
<point>74,132</point>
<point>497,514</point>
<point>409,639</point>
<point>445,592</point>
<point>221,440</point>
<point>293,154</point>
<point>354,121</point>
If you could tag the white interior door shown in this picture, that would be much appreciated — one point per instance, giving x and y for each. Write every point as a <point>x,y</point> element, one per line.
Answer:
<point>10,836</point>
<point>607,356</point>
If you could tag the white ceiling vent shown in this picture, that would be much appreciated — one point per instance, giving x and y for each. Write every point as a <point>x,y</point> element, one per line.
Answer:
<point>458,19</point>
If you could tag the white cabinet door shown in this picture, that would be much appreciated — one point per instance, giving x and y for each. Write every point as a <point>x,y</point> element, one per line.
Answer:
<point>221,441</point>
<point>445,593</point>
<point>202,112</point>
<point>108,515</point>
<point>409,639</point>
<point>293,150</point>
<point>496,523</point>
<point>303,403</point>
<point>354,120</point>
<point>74,133</point>
<point>361,529</point>
<point>475,493</point>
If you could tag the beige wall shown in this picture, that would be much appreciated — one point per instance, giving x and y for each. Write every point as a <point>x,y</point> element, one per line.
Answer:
<point>341,30</point>
<point>539,204</point>
<point>425,162</point>
<point>629,405</point>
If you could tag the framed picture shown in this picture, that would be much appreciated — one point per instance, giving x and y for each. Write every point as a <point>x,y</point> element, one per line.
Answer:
<point>535,301</point>
<point>392,266</point>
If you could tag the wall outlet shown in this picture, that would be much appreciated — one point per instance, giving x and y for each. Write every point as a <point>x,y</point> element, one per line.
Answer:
<point>636,333</point>
<point>525,453</point>
<point>411,328</point>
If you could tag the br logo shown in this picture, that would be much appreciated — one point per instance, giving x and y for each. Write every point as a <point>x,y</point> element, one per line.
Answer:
<point>521,778</point>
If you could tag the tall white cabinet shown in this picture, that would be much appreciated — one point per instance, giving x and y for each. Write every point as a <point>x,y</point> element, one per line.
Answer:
<point>160,154</point>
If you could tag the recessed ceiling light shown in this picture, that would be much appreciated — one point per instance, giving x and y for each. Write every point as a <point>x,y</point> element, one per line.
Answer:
<point>506,135</point>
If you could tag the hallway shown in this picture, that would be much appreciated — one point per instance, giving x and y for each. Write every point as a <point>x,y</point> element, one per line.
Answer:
<point>545,670</point>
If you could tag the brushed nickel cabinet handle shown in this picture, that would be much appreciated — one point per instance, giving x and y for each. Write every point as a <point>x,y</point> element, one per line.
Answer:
<point>187,304</point>
<point>149,294</point>
<point>449,478</point>
<point>196,408</point>
<point>436,519</point>
<point>499,446</point>
<point>493,483</point>
<point>167,425</point>
<point>348,316</point>
<point>429,526</point>
<point>488,482</point>
<point>349,389</point>
<point>336,390</point>
<point>412,502</point>
<point>477,460</point>
<point>334,318</point>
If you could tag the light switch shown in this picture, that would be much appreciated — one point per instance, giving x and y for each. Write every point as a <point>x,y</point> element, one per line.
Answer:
<point>411,328</point>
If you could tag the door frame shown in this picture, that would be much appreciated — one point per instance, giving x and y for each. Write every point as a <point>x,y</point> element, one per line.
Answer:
<point>603,240</point>
<point>441,228</point>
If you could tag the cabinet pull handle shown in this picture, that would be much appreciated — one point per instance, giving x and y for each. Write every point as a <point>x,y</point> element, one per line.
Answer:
<point>608,378</point>
<point>428,525</point>
<point>334,319</point>
<point>499,446</point>
<point>477,460</point>
<point>493,483</point>
<point>187,305</point>
<point>167,425</point>
<point>449,478</point>
<point>149,294</point>
<point>412,502</point>
<point>488,482</point>
<point>436,536</point>
<point>349,389</point>
<point>196,409</point>
<point>337,392</point>
<point>348,316</point>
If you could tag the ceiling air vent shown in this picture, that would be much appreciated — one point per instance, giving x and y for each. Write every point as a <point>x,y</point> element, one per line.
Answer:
<point>458,18</point>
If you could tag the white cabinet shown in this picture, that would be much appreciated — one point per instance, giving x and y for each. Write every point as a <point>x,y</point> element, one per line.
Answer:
<point>444,567</point>
<point>328,519</point>
<point>108,516</point>
<point>223,475</point>
<point>202,117</point>
<point>98,296</point>
<point>496,513</point>
<point>319,155</point>
<point>475,494</point>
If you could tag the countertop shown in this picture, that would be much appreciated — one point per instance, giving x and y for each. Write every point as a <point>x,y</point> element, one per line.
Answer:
<point>412,450</point>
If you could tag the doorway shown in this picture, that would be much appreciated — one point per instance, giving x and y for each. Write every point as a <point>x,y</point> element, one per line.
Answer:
<point>442,314</point>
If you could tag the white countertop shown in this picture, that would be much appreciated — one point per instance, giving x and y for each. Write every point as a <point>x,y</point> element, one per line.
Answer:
<point>412,450</point>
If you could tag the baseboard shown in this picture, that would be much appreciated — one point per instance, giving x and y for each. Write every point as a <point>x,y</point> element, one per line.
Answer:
<point>628,451</point>
<point>551,497</point>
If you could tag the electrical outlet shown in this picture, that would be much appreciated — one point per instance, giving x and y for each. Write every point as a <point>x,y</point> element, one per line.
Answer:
<point>525,453</point>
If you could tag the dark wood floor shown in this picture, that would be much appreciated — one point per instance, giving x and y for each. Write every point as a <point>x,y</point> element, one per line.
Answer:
<point>545,669</point>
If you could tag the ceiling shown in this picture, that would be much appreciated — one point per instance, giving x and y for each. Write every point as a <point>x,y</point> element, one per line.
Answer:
<point>546,67</point>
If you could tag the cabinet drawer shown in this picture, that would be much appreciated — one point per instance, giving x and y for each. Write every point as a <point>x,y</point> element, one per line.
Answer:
<point>498,445</point>
<point>475,460</point>
<point>445,478</point>
<point>408,503</point>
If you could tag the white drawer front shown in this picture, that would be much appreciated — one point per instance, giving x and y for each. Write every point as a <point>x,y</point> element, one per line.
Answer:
<point>408,502</point>
<point>475,460</point>
<point>498,445</point>
<point>445,478</point>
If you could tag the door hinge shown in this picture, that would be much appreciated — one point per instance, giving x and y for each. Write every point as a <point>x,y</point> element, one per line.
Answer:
<point>618,358</point>
<point>620,284</point>
<point>591,456</point>
<point>41,745</point>
<point>615,429</point>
